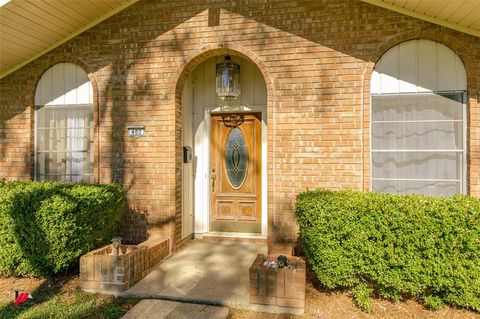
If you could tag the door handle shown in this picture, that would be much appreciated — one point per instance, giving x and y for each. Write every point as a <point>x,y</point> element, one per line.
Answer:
<point>214,177</point>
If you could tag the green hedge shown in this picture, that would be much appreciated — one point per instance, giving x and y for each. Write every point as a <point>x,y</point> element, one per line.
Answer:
<point>394,246</point>
<point>46,227</point>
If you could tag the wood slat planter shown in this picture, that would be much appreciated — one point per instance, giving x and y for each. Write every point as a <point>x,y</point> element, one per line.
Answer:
<point>283,287</point>
<point>103,272</point>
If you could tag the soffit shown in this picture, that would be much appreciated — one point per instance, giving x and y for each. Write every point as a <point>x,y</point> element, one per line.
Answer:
<point>460,15</point>
<point>31,28</point>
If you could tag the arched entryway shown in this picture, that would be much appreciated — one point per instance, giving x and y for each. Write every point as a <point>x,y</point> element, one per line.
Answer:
<point>211,202</point>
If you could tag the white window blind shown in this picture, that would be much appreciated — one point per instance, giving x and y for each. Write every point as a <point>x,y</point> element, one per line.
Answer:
<point>418,143</point>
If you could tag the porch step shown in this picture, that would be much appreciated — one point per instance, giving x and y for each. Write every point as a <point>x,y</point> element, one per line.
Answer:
<point>160,309</point>
<point>254,240</point>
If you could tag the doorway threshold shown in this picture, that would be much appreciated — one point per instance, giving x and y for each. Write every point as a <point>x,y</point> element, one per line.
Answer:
<point>250,238</point>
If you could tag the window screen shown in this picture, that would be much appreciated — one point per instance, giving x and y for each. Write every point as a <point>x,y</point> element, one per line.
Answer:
<point>418,143</point>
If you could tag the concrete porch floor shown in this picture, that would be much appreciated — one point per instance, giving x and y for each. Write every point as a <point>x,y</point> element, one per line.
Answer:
<point>214,273</point>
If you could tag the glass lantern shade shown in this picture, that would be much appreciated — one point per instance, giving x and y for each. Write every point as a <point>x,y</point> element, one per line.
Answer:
<point>228,79</point>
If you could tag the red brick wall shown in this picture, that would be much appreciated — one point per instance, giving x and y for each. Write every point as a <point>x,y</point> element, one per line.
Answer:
<point>317,58</point>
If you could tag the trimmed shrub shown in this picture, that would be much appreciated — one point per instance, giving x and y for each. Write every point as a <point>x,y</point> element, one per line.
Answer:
<point>46,227</point>
<point>361,293</point>
<point>400,245</point>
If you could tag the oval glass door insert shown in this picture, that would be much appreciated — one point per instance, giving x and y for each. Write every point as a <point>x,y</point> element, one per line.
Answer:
<point>236,158</point>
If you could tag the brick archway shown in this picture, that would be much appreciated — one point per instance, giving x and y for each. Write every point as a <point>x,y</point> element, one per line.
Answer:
<point>177,84</point>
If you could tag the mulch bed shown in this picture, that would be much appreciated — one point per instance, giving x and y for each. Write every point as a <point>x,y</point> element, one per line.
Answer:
<point>339,305</point>
<point>320,304</point>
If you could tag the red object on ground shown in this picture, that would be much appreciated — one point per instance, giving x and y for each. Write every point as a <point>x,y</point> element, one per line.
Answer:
<point>22,297</point>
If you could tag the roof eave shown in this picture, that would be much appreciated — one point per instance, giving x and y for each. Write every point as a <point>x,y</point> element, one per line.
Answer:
<point>71,36</point>
<point>407,12</point>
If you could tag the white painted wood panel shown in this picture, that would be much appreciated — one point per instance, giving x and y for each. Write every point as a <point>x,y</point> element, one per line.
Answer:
<point>427,66</point>
<point>45,88</point>
<point>58,84</point>
<point>389,66</point>
<point>408,66</point>
<point>187,168</point>
<point>85,89</point>
<point>209,78</point>
<point>461,75</point>
<point>447,70</point>
<point>247,80</point>
<point>70,83</point>
<point>418,66</point>
<point>64,83</point>
<point>375,81</point>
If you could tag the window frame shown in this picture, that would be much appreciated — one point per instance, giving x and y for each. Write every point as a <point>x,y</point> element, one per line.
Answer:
<point>91,151</point>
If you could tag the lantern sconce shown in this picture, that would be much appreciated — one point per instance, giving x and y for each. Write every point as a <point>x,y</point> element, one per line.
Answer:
<point>228,79</point>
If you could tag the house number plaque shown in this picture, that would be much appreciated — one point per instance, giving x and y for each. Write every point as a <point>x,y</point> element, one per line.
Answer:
<point>136,131</point>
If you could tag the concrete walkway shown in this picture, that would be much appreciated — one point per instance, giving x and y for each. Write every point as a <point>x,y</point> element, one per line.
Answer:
<point>162,309</point>
<point>211,273</point>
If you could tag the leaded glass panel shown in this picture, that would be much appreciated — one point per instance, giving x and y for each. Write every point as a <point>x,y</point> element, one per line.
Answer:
<point>236,158</point>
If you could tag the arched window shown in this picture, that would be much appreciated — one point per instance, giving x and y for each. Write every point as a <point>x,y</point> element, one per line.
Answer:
<point>64,125</point>
<point>418,117</point>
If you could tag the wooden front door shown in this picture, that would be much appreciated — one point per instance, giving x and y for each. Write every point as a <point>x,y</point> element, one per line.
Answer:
<point>236,164</point>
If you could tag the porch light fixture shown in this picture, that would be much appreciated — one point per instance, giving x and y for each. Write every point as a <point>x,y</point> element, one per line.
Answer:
<point>228,79</point>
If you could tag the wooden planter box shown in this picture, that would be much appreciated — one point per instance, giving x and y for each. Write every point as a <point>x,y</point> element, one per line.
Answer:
<point>103,272</point>
<point>283,287</point>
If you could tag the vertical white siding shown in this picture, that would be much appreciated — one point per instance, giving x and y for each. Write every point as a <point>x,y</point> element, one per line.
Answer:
<point>407,61</point>
<point>390,71</point>
<point>418,66</point>
<point>461,74</point>
<point>447,70</point>
<point>70,83</point>
<point>45,88</point>
<point>187,173</point>
<point>58,84</point>
<point>208,84</point>
<point>375,83</point>
<point>64,83</point>
<point>427,66</point>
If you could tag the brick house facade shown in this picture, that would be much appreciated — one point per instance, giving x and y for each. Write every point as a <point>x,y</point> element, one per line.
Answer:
<point>316,58</point>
